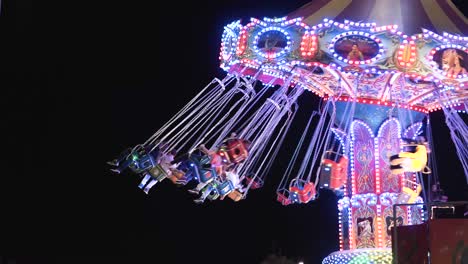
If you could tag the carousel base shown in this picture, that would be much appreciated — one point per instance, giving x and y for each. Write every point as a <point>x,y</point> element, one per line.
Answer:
<point>358,256</point>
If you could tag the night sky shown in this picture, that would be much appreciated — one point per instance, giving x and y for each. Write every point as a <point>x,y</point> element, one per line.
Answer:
<point>83,81</point>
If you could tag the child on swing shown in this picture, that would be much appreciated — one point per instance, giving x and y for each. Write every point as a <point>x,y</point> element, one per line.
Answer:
<point>412,161</point>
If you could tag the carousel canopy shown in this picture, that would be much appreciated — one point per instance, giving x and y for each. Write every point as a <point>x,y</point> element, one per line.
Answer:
<point>370,51</point>
<point>410,15</point>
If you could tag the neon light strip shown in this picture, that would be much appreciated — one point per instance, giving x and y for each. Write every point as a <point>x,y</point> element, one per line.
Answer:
<point>413,129</point>
<point>376,164</point>
<point>350,229</point>
<point>382,103</point>
<point>379,227</point>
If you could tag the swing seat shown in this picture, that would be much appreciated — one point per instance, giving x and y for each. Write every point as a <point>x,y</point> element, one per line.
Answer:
<point>303,194</point>
<point>237,150</point>
<point>219,170</point>
<point>220,158</point>
<point>176,176</point>
<point>333,171</point>
<point>207,175</point>
<point>224,156</point>
<point>213,196</point>
<point>235,195</point>
<point>200,160</point>
<point>158,172</point>
<point>408,195</point>
<point>256,182</point>
<point>201,167</point>
<point>202,175</point>
<point>339,174</point>
<point>410,161</point>
<point>225,187</point>
<point>195,171</point>
<point>334,174</point>
<point>283,199</point>
<point>212,188</point>
<point>219,161</point>
<point>144,163</point>
<point>183,173</point>
<point>188,176</point>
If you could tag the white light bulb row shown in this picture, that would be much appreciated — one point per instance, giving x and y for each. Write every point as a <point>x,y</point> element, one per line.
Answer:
<point>428,33</point>
<point>376,164</point>
<point>414,128</point>
<point>381,129</point>
<point>274,20</point>
<point>359,200</point>
<point>350,230</point>
<point>409,219</point>
<point>340,230</point>
<point>296,21</point>
<point>356,24</point>
<point>391,28</point>
<point>370,199</point>
<point>446,36</point>
<point>255,21</point>
<point>304,25</point>
<point>455,37</point>
<point>351,161</point>
<point>449,104</point>
<point>388,198</point>
<point>343,203</point>
<point>274,74</point>
<point>230,33</point>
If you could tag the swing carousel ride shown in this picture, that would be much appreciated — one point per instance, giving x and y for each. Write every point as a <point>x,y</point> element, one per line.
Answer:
<point>369,140</point>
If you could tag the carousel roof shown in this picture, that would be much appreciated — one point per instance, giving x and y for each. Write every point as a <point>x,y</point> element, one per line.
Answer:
<point>370,51</point>
<point>410,15</point>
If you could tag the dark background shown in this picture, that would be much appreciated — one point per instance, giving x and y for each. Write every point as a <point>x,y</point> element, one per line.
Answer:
<point>81,82</point>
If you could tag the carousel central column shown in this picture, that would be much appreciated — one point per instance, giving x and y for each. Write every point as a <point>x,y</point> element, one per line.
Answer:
<point>366,211</point>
